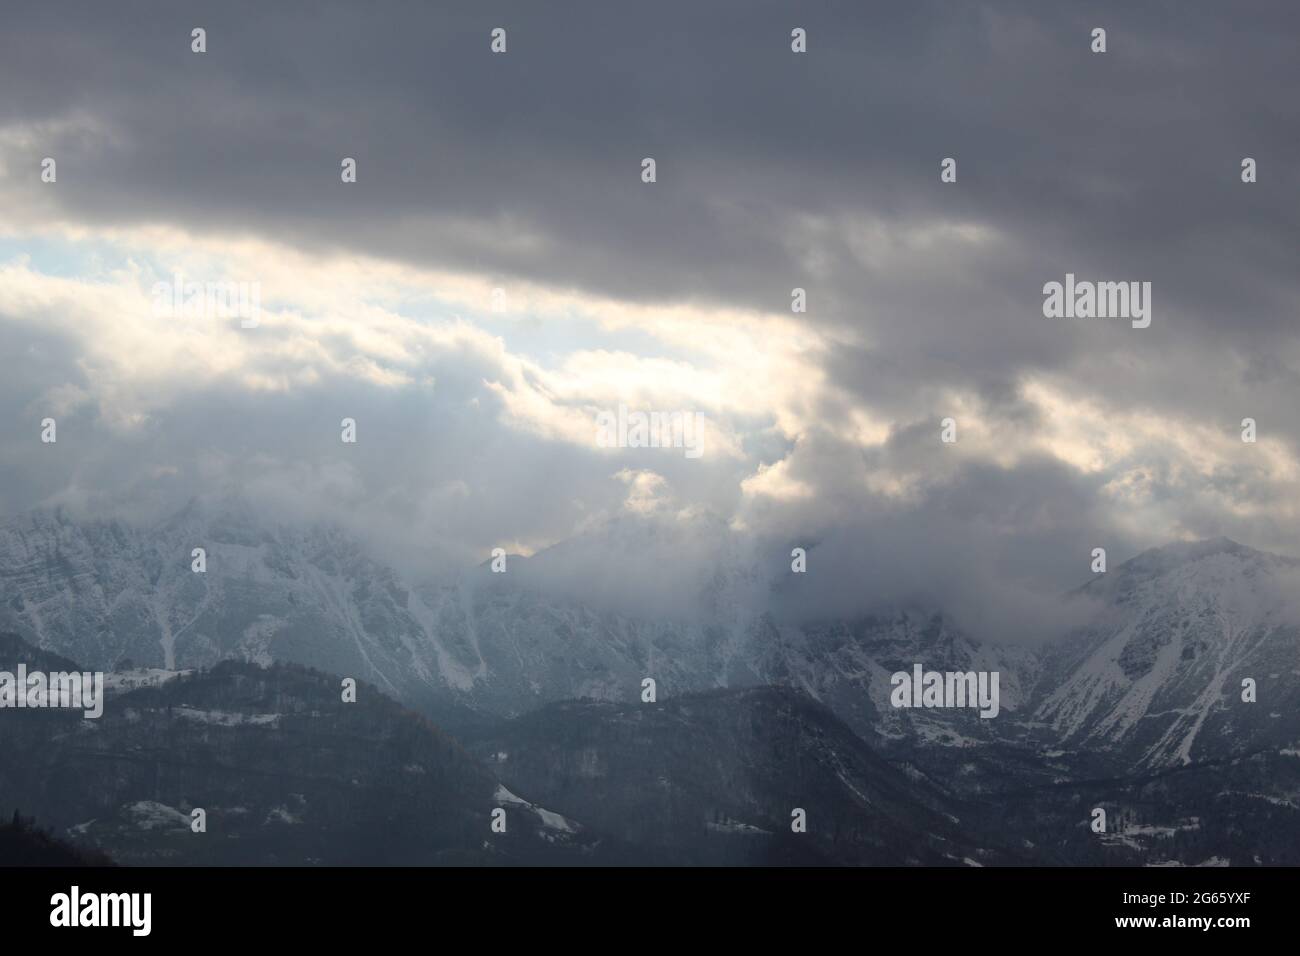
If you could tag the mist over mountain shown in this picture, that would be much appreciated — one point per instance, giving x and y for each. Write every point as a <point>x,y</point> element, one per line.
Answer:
<point>1163,633</point>
<point>689,428</point>
<point>479,641</point>
<point>517,664</point>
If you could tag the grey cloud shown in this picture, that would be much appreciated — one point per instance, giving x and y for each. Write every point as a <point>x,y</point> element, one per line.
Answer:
<point>526,166</point>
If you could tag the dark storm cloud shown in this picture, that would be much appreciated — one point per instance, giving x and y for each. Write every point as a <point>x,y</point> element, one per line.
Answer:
<point>1122,165</point>
<point>1124,161</point>
<point>775,171</point>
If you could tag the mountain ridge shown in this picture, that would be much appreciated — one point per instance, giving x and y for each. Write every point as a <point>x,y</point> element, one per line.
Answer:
<point>481,646</point>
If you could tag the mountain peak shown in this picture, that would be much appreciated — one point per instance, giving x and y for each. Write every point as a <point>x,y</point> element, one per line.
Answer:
<point>1212,556</point>
<point>1179,553</point>
<point>1191,550</point>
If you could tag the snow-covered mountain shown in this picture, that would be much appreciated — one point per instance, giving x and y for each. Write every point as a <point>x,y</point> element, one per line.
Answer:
<point>1157,678</point>
<point>567,623</point>
<point>109,593</point>
<point>1154,679</point>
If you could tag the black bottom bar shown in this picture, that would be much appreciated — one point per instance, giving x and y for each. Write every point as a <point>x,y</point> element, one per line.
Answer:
<point>331,906</point>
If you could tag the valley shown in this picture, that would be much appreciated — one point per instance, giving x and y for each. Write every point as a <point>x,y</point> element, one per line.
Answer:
<point>489,684</point>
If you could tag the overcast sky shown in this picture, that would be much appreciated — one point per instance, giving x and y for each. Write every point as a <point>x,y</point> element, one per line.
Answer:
<point>522,172</point>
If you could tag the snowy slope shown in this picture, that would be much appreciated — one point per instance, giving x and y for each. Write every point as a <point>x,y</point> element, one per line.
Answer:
<point>115,596</point>
<point>1157,678</point>
<point>1153,680</point>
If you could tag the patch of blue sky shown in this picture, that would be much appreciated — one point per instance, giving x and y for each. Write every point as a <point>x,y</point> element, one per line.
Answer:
<point>74,259</point>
